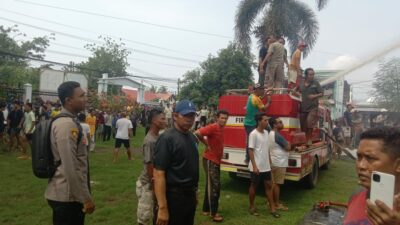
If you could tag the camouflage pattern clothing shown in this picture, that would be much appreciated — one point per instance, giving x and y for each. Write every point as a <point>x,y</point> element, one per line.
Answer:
<point>144,189</point>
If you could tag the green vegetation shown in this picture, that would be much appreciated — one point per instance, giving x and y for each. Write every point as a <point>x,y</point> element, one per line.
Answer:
<point>22,200</point>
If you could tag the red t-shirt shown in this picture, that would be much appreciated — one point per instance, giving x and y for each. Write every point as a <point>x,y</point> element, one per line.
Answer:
<point>215,139</point>
<point>356,212</point>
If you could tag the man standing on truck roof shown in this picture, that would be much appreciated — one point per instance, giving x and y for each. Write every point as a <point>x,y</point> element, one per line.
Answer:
<point>275,58</point>
<point>211,162</point>
<point>254,105</point>
<point>295,67</point>
<point>261,56</point>
<point>279,151</point>
<point>310,91</point>
<point>260,165</point>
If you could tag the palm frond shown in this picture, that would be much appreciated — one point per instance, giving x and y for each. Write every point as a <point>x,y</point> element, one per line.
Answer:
<point>321,4</point>
<point>245,17</point>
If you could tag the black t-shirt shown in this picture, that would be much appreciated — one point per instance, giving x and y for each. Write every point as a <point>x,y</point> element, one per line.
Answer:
<point>262,54</point>
<point>314,88</point>
<point>347,116</point>
<point>176,153</point>
<point>15,117</point>
<point>1,121</point>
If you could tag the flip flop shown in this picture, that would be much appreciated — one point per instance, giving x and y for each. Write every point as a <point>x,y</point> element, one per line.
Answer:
<point>276,215</point>
<point>206,213</point>
<point>253,212</point>
<point>217,218</point>
<point>282,207</point>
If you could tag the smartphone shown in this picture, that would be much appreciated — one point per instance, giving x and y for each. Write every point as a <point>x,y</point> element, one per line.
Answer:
<point>382,188</point>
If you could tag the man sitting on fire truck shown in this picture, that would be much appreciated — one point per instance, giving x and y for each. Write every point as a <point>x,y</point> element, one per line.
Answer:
<point>310,91</point>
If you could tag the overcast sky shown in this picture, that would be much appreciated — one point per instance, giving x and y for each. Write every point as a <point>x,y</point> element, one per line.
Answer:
<point>350,31</point>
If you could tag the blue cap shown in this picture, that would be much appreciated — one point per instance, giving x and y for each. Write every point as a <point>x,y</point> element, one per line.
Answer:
<point>185,107</point>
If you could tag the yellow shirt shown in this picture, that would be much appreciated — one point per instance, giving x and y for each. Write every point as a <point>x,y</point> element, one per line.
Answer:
<point>54,113</point>
<point>91,121</point>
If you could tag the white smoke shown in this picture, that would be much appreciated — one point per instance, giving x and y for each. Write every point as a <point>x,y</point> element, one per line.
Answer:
<point>342,62</point>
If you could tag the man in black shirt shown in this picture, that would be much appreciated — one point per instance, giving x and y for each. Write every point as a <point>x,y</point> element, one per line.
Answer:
<point>310,91</point>
<point>14,123</point>
<point>261,56</point>
<point>176,169</point>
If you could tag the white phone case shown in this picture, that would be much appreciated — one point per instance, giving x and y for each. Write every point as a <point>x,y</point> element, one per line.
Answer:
<point>384,189</point>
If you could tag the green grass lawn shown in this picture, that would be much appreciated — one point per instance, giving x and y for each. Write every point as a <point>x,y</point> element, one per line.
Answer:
<point>22,201</point>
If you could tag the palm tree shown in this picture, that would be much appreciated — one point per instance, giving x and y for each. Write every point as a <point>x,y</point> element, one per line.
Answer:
<point>289,18</point>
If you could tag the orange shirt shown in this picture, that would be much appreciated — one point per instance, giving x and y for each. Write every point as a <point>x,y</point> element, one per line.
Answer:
<point>215,138</point>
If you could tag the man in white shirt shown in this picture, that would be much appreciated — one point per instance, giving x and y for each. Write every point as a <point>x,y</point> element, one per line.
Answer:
<point>279,148</point>
<point>168,115</point>
<point>204,116</point>
<point>124,132</point>
<point>85,129</point>
<point>259,165</point>
<point>28,126</point>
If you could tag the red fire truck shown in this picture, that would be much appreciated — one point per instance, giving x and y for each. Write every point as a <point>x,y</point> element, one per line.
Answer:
<point>304,162</point>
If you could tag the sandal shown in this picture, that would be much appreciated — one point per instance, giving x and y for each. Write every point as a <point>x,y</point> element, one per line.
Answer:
<point>206,213</point>
<point>217,218</point>
<point>253,212</point>
<point>276,215</point>
<point>282,207</point>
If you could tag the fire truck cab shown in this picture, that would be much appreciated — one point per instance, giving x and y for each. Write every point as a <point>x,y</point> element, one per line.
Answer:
<point>304,162</point>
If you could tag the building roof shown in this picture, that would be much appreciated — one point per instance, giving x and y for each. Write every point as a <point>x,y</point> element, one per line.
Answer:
<point>148,96</point>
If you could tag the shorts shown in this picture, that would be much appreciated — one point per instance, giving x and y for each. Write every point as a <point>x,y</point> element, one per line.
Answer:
<point>263,176</point>
<point>29,137</point>
<point>119,142</point>
<point>14,131</point>
<point>278,174</point>
<point>308,120</point>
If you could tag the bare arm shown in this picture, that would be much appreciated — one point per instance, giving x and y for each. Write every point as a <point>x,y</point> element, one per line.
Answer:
<point>200,137</point>
<point>160,191</point>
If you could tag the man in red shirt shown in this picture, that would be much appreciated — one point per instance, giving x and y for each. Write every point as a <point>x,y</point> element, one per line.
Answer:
<point>214,142</point>
<point>378,151</point>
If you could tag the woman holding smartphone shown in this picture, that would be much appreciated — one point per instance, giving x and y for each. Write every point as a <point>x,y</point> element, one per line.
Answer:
<point>378,151</point>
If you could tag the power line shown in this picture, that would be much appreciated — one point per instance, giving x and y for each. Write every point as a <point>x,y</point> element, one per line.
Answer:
<point>15,56</point>
<point>127,19</point>
<point>131,58</point>
<point>96,33</point>
<point>99,42</point>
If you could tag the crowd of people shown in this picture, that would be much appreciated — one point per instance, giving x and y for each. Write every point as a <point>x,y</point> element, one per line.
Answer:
<point>167,188</point>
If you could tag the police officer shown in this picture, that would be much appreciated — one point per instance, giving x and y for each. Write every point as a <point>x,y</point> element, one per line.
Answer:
<point>68,190</point>
<point>176,173</point>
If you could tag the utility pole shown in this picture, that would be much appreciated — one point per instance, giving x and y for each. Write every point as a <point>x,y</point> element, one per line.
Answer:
<point>179,83</point>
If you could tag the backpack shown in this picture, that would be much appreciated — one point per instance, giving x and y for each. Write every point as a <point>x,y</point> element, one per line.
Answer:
<point>43,164</point>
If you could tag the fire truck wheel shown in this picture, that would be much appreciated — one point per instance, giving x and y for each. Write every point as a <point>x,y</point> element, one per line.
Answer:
<point>310,181</point>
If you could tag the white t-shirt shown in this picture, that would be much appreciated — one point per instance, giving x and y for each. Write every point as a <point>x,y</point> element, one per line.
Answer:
<point>5,114</point>
<point>279,156</point>
<point>197,118</point>
<point>86,131</point>
<point>204,112</point>
<point>29,121</point>
<point>168,112</point>
<point>123,125</point>
<point>259,142</point>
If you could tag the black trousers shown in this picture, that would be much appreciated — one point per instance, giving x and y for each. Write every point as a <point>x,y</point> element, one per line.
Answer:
<point>213,187</point>
<point>106,133</point>
<point>67,213</point>
<point>181,206</point>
